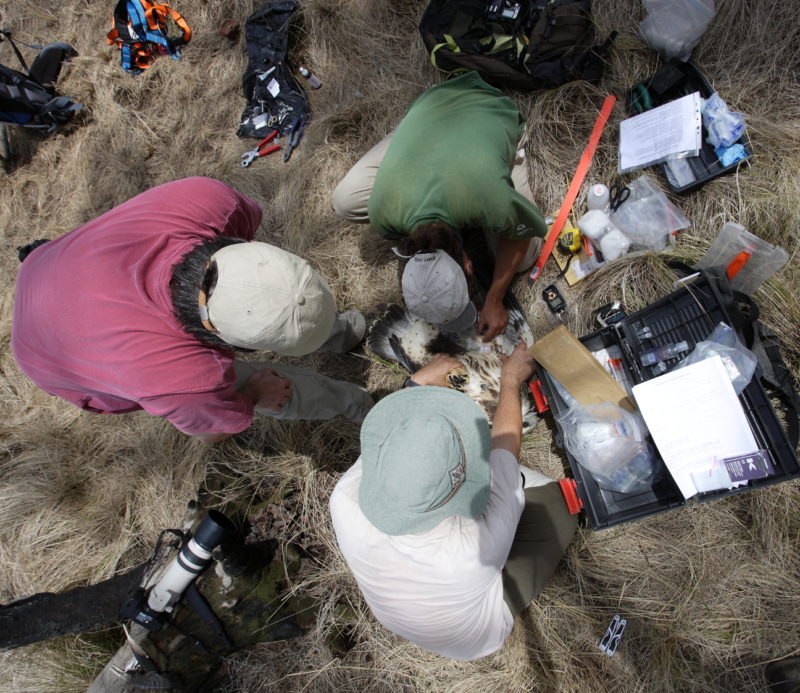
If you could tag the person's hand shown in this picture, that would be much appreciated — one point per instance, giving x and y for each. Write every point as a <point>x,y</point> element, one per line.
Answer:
<point>268,390</point>
<point>492,319</point>
<point>518,367</point>
<point>435,372</point>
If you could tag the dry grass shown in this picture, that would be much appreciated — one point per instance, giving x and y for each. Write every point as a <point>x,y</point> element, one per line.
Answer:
<point>711,593</point>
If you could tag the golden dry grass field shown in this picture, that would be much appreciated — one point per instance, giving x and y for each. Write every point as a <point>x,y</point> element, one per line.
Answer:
<point>711,592</point>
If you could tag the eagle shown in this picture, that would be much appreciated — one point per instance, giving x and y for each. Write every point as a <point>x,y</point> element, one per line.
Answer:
<point>412,342</point>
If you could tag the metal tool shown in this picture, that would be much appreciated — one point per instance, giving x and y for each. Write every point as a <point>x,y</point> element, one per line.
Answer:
<point>610,640</point>
<point>294,137</point>
<point>618,195</point>
<point>249,157</point>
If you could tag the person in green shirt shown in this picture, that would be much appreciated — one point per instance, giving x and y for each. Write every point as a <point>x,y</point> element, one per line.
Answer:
<point>452,166</point>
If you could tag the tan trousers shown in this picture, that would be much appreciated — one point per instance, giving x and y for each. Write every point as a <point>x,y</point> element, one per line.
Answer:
<point>315,397</point>
<point>351,196</point>
<point>348,330</point>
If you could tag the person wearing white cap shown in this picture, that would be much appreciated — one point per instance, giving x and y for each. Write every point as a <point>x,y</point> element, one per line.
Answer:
<point>455,164</point>
<point>447,536</point>
<point>143,307</point>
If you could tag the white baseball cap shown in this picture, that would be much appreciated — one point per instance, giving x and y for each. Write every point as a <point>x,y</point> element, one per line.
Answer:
<point>268,299</point>
<point>435,289</point>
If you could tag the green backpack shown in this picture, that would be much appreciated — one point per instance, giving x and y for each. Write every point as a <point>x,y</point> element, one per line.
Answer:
<point>521,44</point>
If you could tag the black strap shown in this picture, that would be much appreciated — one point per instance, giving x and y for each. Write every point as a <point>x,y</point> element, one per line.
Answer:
<point>772,370</point>
<point>13,43</point>
<point>775,373</point>
<point>203,609</point>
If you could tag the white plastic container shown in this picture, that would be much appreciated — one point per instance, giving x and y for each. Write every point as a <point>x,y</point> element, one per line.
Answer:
<point>597,197</point>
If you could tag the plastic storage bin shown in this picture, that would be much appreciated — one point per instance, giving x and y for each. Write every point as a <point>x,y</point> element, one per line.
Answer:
<point>747,260</point>
<point>672,81</point>
<point>688,314</point>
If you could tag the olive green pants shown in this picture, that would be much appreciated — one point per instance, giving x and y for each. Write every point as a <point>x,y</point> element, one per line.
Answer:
<point>543,534</point>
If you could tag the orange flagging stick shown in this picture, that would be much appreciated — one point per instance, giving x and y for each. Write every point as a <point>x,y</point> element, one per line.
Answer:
<point>575,185</point>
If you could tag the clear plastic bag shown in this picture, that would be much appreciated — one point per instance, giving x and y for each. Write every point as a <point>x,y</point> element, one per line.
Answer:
<point>739,361</point>
<point>597,225</point>
<point>647,217</point>
<point>609,443</point>
<point>674,27</point>
<point>724,127</point>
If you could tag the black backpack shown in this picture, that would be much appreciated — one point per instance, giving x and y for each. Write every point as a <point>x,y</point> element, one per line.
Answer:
<point>29,99</point>
<point>275,101</point>
<point>521,44</point>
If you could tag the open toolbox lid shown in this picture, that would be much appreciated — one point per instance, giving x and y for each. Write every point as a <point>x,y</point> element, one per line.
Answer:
<point>690,313</point>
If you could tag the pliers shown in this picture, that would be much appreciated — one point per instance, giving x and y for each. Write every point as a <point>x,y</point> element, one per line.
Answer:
<point>249,157</point>
<point>294,137</point>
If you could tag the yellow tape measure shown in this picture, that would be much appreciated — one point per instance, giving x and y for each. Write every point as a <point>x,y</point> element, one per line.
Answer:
<point>569,240</point>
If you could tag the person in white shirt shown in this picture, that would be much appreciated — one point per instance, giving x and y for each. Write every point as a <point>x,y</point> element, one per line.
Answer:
<point>448,537</point>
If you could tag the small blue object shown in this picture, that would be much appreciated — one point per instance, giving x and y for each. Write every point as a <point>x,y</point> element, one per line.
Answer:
<point>730,155</point>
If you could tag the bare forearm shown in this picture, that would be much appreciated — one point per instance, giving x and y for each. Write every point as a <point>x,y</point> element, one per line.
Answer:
<point>509,254</point>
<point>507,426</point>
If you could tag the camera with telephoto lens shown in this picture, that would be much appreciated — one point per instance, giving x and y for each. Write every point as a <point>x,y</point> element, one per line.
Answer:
<point>500,10</point>
<point>151,608</point>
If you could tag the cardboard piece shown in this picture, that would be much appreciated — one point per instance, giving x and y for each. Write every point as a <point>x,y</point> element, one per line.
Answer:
<point>573,365</point>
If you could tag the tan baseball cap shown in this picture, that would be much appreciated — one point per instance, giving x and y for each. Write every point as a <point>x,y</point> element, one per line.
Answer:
<point>435,289</point>
<point>268,299</point>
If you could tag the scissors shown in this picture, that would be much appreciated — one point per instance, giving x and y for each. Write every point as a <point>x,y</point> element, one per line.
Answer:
<point>617,195</point>
<point>249,157</point>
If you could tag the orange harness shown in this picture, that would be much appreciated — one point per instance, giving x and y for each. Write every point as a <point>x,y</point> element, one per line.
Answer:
<point>143,30</point>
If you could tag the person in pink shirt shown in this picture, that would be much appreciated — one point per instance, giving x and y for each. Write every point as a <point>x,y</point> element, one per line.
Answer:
<point>144,307</point>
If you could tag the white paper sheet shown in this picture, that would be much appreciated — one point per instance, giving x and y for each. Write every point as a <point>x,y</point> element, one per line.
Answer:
<point>661,133</point>
<point>696,420</point>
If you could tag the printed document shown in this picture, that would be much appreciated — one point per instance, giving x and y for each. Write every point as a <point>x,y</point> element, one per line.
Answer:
<point>661,134</point>
<point>696,421</point>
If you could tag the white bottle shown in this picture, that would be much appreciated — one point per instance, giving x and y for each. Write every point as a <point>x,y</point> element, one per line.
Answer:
<point>597,197</point>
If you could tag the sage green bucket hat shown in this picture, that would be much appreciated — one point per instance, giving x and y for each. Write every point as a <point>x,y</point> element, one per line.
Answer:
<point>425,457</point>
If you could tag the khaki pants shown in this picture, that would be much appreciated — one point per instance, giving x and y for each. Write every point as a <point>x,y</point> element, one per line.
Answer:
<point>543,534</point>
<point>315,397</point>
<point>348,330</point>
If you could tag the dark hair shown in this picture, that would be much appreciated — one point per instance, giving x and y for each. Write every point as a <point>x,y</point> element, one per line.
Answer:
<point>194,272</point>
<point>24,250</point>
<point>427,238</point>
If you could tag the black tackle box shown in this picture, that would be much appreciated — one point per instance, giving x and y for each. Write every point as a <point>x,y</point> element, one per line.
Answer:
<point>690,313</point>
<point>674,80</point>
